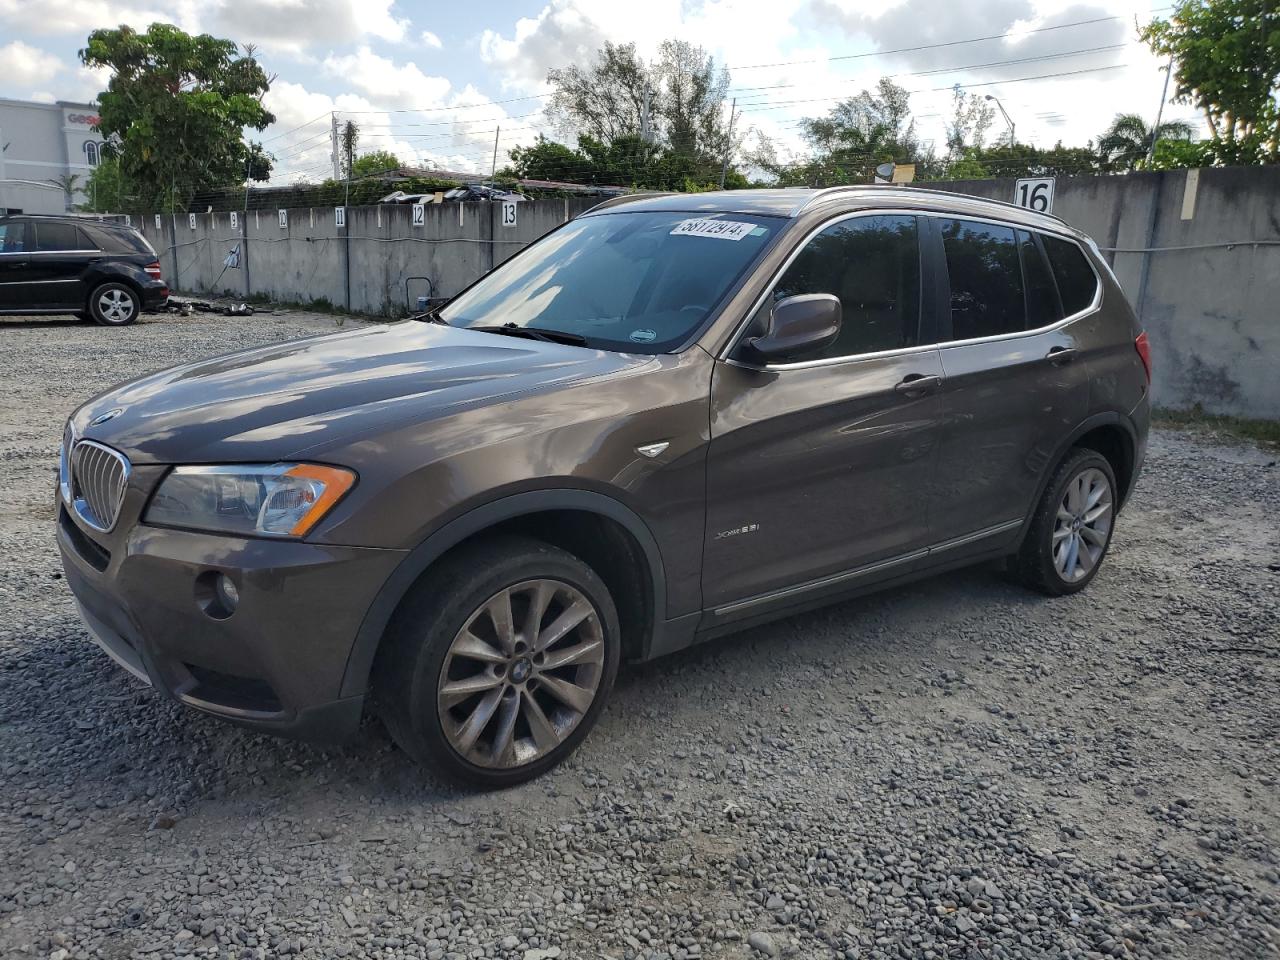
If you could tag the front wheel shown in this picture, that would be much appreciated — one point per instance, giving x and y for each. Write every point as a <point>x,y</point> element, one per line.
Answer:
<point>500,662</point>
<point>1071,530</point>
<point>114,305</point>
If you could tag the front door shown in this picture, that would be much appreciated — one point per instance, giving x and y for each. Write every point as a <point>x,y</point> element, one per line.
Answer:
<point>1014,387</point>
<point>817,465</point>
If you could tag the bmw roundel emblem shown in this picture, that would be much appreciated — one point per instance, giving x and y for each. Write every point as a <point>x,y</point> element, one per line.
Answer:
<point>104,417</point>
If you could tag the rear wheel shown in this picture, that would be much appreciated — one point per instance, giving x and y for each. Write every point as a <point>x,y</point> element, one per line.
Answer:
<point>114,305</point>
<point>500,662</point>
<point>1071,530</point>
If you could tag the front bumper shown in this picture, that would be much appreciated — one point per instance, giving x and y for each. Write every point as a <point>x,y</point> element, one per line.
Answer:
<point>275,664</point>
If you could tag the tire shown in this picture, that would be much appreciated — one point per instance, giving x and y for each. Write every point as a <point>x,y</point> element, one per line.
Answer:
<point>480,704</point>
<point>114,305</point>
<point>1061,521</point>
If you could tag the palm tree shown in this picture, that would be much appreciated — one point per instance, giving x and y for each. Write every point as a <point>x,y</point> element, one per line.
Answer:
<point>1127,140</point>
<point>70,183</point>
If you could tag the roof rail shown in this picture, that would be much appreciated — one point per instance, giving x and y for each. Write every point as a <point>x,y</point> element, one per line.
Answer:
<point>830,192</point>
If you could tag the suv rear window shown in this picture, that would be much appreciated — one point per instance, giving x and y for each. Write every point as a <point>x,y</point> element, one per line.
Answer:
<point>1077,283</point>
<point>1043,307</point>
<point>986,279</point>
<point>52,236</point>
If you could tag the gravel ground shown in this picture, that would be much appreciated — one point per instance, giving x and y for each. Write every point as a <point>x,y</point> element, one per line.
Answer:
<point>953,769</point>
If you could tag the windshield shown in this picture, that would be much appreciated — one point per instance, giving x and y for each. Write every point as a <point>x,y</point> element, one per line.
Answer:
<point>637,282</point>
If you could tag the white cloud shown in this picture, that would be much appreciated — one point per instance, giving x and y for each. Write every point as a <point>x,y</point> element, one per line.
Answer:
<point>79,17</point>
<point>430,39</point>
<point>24,65</point>
<point>387,83</point>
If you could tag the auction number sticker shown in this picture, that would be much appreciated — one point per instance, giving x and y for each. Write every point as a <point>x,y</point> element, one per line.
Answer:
<point>719,229</point>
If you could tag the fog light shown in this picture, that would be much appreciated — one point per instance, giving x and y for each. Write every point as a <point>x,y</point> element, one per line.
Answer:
<point>227,592</point>
<point>216,594</point>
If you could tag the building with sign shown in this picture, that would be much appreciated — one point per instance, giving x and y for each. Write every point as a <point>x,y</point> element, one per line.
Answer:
<point>44,149</point>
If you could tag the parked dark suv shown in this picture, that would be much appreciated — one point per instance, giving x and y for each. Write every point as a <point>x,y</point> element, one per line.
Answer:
<point>669,419</point>
<point>89,268</point>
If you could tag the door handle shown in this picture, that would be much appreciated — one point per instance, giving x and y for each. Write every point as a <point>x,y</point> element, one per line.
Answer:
<point>916,384</point>
<point>1060,355</point>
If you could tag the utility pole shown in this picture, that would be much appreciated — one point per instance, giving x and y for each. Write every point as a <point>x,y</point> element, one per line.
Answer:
<point>728,143</point>
<point>335,152</point>
<point>1164,94</point>
<point>493,171</point>
<point>244,227</point>
<point>645,134</point>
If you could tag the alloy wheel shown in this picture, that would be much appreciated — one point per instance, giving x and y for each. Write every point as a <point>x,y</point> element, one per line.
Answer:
<point>521,674</point>
<point>116,306</point>
<point>1083,524</point>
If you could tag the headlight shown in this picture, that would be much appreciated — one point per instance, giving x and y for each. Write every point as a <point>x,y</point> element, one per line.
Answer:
<point>275,500</point>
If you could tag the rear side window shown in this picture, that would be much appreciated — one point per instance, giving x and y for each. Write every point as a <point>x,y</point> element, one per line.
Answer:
<point>986,279</point>
<point>873,265</point>
<point>1077,283</point>
<point>13,237</point>
<point>1043,307</point>
<point>53,236</point>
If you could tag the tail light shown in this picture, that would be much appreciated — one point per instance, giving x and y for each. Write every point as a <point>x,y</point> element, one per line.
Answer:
<point>1143,346</point>
<point>153,270</point>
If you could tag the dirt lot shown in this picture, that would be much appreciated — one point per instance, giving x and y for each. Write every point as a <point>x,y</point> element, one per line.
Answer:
<point>954,769</point>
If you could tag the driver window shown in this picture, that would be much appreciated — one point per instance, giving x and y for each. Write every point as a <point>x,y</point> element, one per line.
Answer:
<point>873,265</point>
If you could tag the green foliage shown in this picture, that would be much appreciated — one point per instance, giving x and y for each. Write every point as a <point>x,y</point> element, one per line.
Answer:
<point>1226,57</point>
<point>971,117</point>
<point>861,133</point>
<point>626,161</point>
<point>1125,143</point>
<point>1182,154</point>
<point>375,162</point>
<point>174,111</point>
<point>104,192</point>
<point>968,167</point>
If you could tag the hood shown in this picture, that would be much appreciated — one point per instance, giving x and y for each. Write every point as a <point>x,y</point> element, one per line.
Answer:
<point>274,403</point>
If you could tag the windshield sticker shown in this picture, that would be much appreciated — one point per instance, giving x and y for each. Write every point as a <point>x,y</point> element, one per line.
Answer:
<point>644,336</point>
<point>719,229</point>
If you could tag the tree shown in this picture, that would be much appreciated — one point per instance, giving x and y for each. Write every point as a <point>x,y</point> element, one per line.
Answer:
<point>374,162</point>
<point>676,103</point>
<point>859,134</point>
<point>70,183</point>
<point>971,117</point>
<point>348,140</point>
<point>1125,143</point>
<point>175,110</point>
<point>1226,56</point>
<point>104,192</point>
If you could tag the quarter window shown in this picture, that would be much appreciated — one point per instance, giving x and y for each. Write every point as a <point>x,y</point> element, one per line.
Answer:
<point>1077,283</point>
<point>986,279</point>
<point>873,265</point>
<point>53,236</point>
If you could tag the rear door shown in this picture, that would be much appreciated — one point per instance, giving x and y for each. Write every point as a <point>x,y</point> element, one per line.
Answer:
<point>15,276</point>
<point>1013,389</point>
<point>818,466</point>
<point>60,255</point>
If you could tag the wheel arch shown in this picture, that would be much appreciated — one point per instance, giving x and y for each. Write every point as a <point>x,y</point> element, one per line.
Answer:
<point>1118,440</point>
<point>581,521</point>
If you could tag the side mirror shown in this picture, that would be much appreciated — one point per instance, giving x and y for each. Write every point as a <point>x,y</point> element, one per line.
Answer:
<point>798,325</point>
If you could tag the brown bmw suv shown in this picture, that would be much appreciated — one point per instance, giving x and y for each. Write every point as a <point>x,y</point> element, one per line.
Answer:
<point>668,419</point>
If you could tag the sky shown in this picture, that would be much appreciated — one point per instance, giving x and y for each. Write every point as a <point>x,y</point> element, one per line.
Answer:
<point>437,83</point>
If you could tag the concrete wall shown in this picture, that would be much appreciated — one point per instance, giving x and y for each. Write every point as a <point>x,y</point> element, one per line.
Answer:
<point>1182,244</point>
<point>1206,292</point>
<point>392,262</point>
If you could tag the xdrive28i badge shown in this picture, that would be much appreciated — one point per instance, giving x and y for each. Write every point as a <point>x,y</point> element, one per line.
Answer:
<point>104,417</point>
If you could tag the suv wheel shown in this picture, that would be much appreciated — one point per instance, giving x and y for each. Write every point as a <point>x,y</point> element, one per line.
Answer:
<point>114,305</point>
<point>1072,526</point>
<point>500,662</point>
